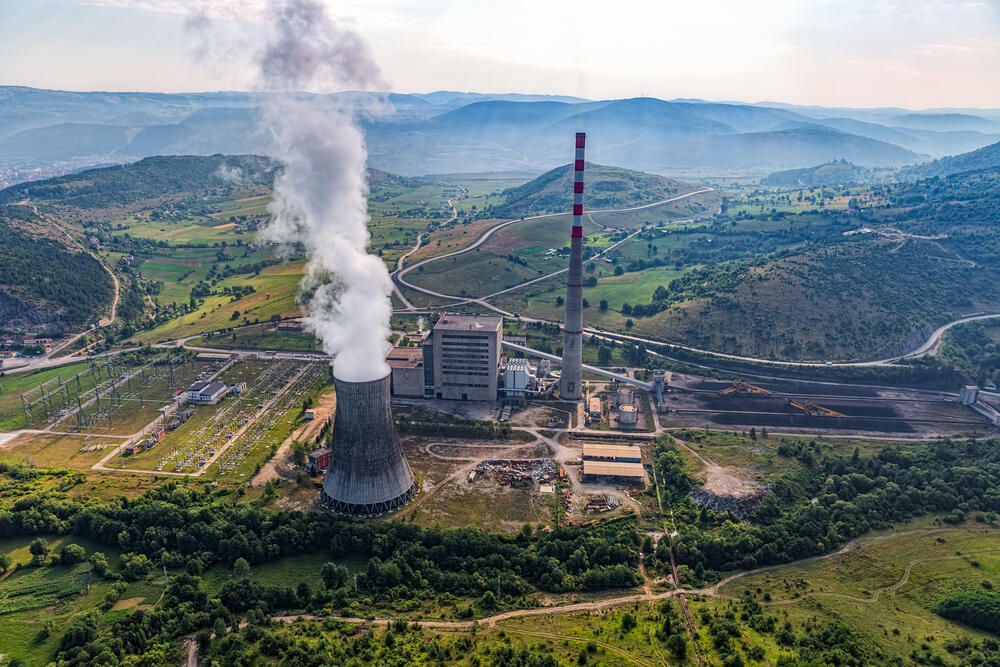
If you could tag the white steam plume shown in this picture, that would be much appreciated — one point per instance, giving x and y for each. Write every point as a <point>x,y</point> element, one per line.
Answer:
<point>320,195</point>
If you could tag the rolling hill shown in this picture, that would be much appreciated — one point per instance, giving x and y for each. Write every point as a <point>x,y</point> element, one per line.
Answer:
<point>606,188</point>
<point>987,157</point>
<point>838,172</point>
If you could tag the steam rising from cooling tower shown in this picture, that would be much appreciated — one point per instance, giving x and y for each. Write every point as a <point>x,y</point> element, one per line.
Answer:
<point>320,195</point>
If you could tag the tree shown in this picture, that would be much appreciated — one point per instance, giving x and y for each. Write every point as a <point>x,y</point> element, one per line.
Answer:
<point>235,315</point>
<point>677,645</point>
<point>629,323</point>
<point>241,568</point>
<point>559,301</point>
<point>39,549</point>
<point>72,554</point>
<point>603,355</point>
<point>333,575</point>
<point>604,304</point>
<point>5,562</point>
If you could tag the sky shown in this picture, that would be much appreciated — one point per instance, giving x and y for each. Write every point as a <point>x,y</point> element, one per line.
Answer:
<point>858,53</point>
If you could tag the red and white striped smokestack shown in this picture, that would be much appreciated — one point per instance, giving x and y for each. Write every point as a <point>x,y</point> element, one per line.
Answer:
<point>570,384</point>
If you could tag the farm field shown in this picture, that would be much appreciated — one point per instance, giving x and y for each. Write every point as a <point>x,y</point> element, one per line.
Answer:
<point>275,293</point>
<point>260,336</point>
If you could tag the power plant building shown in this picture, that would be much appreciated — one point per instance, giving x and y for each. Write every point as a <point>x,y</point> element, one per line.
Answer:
<point>407,365</point>
<point>464,352</point>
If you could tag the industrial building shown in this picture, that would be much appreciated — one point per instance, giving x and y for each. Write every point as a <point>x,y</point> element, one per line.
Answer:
<point>464,353</point>
<point>519,379</point>
<point>407,365</point>
<point>611,453</point>
<point>214,357</point>
<point>206,392</point>
<point>595,470</point>
<point>317,461</point>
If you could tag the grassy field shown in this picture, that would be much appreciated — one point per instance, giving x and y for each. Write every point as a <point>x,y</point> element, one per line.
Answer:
<point>276,289</point>
<point>884,588</point>
<point>12,386</point>
<point>264,337</point>
<point>56,451</point>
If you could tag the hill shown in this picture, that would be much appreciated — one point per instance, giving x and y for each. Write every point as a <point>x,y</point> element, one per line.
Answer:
<point>838,172</point>
<point>856,294</point>
<point>45,285</point>
<point>143,180</point>
<point>606,188</point>
<point>987,157</point>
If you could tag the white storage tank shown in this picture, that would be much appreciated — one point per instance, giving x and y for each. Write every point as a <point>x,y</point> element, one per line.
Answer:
<point>626,395</point>
<point>628,415</point>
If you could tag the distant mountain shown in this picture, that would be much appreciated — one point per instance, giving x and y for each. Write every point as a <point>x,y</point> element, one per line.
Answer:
<point>946,122</point>
<point>983,158</point>
<point>51,132</point>
<point>785,148</point>
<point>606,188</point>
<point>838,172</point>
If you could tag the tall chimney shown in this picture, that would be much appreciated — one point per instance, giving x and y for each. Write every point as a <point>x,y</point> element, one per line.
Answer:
<point>570,388</point>
<point>368,473</point>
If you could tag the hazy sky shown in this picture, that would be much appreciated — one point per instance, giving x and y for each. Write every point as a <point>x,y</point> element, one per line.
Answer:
<point>909,53</point>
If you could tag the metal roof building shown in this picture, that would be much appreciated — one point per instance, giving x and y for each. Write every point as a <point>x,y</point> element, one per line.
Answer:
<point>613,469</point>
<point>621,453</point>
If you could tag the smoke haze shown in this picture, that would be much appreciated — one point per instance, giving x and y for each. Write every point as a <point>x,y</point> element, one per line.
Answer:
<point>320,195</point>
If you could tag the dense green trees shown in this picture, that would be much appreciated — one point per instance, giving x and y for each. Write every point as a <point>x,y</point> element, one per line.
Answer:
<point>43,272</point>
<point>979,609</point>
<point>854,495</point>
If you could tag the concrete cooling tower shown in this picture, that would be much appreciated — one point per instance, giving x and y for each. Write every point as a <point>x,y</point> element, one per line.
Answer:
<point>368,473</point>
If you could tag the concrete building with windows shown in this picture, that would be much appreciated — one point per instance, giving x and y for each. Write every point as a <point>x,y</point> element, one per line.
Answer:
<point>465,356</point>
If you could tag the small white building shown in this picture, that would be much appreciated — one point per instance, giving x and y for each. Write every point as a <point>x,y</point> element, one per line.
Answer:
<point>206,392</point>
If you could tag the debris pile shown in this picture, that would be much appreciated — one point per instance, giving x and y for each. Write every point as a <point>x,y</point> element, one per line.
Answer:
<point>741,505</point>
<point>518,472</point>
<point>601,504</point>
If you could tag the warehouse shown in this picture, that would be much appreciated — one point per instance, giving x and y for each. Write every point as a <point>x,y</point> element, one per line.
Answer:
<point>598,470</point>
<point>611,453</point>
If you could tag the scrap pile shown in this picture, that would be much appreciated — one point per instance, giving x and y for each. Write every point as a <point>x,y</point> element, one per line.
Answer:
<point>518,472</point>
<point>602,503</point>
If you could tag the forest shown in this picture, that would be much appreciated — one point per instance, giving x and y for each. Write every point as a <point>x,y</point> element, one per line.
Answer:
<point>956,478</point>
<point>44,272</point>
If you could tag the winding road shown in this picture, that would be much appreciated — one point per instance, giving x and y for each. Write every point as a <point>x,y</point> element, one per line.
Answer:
<point>399,278</point>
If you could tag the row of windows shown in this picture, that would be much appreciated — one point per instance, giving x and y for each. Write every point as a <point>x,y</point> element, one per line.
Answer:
<point>448,336</point>
<point>465,373</point>
<point>465,367</point>
<point>463,384</point>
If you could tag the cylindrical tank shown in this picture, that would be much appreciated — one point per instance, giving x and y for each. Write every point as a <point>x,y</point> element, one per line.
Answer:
<point>627,414</point>
<point>626,395</point>
<point>368,473</point>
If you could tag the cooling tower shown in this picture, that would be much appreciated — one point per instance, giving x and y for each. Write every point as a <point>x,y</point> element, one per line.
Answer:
<point>368,473</point>
<point>572,355</point>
